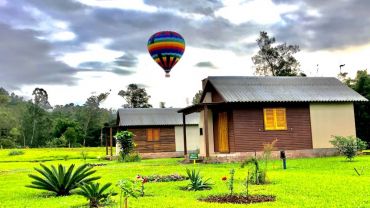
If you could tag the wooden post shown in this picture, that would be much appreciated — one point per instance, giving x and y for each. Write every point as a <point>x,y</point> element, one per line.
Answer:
<point>184,131</point>
<point>111,142</point>
<point>106,141</point>
<point>206,129</point>
<point>101,137</point>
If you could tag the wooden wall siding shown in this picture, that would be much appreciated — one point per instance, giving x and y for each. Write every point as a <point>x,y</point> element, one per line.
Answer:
<point>166,141</point>
<point>249,133</point>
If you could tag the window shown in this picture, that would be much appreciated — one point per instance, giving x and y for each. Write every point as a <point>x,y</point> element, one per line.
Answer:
<point>275,118</point>
<point>201,131</point>
<point>152,135</point>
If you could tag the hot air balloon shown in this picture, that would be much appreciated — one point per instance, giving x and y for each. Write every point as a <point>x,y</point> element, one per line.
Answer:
<point>166,48</point>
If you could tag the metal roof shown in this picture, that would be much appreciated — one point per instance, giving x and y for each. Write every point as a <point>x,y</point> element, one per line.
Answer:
<point>283,89</point>
<point>154,117</point>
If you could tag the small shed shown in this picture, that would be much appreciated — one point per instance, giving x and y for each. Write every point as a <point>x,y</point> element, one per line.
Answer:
<point>160,130</point>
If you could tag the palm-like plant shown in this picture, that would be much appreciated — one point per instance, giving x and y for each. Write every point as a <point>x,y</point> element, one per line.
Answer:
<point>196,181</point>
<point>61,181</point>
<point>94,193</point>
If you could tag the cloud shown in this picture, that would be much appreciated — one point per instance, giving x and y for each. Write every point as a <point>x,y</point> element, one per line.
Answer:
<point>205,7</point>
<point>129,30</point>
<point>26,60</point>
<point>127,60</point>
<point>205,64</point>
<point>325,24</point>
<point>119,66</point>
<point>120,71</point>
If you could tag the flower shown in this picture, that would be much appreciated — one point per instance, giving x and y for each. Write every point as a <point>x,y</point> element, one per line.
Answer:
<point>145,180</point>
<point>138,177</point>
<point>224,178</point>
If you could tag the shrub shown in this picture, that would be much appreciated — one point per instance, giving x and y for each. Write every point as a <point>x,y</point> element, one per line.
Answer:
<point>348,146</point>
<point>57,142</point>
<point>131,157</point>
<point>60,181</point>
<point>166,178</point>
<point>7,142</point>
<point>257,175</point>
<point>129,188</point>
<point>196,181</point>
<point>95,194</point>
<point>15,152</point>
<point>125,138</point>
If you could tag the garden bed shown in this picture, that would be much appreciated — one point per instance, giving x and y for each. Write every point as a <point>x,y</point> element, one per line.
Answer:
<point>239,199</point>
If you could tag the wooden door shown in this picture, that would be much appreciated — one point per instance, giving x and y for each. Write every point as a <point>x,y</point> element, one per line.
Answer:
<point>221,133</point>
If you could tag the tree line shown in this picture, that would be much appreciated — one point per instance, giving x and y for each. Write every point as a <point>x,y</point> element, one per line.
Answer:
<point>35,123</point>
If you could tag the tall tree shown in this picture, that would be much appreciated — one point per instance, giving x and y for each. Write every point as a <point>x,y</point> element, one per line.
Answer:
<point>197,96</point>
<point>361,84</point>
<point>135,97</point>
<point>91,112</point>
<point>275,60</point>
<point>41,103</point>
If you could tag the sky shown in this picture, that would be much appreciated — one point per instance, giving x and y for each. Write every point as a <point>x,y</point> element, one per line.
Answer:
<point>77,48</point>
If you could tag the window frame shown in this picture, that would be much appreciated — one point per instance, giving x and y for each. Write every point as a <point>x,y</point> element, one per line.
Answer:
<point>276,127</point>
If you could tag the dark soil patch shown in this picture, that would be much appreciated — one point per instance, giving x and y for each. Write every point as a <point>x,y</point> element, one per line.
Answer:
<point>239,199</point>
<point>96,164</point>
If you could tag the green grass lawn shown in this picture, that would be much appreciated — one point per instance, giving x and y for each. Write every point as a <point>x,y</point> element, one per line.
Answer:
<point>319,182</point>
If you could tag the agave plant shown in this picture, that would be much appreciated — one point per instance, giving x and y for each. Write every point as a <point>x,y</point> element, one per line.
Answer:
<point>61,181</point>
<point>196,181</point>
<point>94,193</point>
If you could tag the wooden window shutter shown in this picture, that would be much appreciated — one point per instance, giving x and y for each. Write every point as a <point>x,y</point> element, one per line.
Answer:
<point>156,134</point>
<point>149,135</point>
<point>280,119</point>
<point>268,114</point>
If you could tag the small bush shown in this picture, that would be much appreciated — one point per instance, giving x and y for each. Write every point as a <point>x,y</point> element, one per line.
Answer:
<point>132,157</point>
<point>7,143</point>
<point>348,146</point>
<point>57,142</point>
<point>126,139</point>
<point>166,178</point>
<point>257,175</point>
<point>128,188</point>
<point>15,152</point>
<point>197,183</point>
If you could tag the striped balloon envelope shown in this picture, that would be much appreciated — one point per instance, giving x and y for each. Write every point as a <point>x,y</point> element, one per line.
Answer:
<point>166,48</point>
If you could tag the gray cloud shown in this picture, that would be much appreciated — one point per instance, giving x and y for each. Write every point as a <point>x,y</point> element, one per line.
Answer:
<point>120,66</point>
<point>120,71</point>
<point>205,7</point>
<point>26,60</point>
<point>127,60</point>
<point>205,64</point>
<point>340,24</point>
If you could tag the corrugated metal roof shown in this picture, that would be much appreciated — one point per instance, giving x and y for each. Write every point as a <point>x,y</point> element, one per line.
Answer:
<point>154,117</point>
<point>284,89</point>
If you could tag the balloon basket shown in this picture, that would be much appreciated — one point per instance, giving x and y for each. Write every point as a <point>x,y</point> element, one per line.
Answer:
<point>167,75</point>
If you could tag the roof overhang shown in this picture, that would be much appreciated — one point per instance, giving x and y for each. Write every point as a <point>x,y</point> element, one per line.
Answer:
<point>199,107</point>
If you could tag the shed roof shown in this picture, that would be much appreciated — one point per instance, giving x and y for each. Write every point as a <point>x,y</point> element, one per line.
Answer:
<point>283,89</point>
<point>154,117</point>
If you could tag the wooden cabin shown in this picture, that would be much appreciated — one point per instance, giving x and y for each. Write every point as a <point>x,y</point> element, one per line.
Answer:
<point>240,114</point>
<point>159,130</point>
